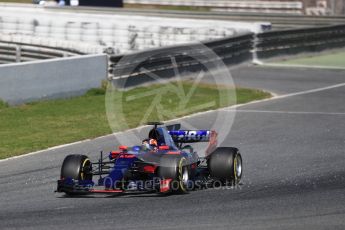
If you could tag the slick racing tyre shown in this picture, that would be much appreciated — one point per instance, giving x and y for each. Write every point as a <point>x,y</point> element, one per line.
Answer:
<point>175,168</point>
<point>77,167</point>
<point>225,164</point>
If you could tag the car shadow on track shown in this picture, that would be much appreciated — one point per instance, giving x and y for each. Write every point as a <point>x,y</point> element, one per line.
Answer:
<point>137,195</point>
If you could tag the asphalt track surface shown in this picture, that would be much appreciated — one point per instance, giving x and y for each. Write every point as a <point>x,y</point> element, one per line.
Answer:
<point>294,176</point>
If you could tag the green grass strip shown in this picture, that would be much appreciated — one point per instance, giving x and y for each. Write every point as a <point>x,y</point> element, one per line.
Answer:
<point>327,60</point>
<point>44,124</point>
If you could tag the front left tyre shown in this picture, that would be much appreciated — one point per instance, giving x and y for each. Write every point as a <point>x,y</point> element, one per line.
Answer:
<point>77,167</point>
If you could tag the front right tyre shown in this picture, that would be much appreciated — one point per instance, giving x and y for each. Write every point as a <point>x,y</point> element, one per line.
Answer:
<point>175,167</point>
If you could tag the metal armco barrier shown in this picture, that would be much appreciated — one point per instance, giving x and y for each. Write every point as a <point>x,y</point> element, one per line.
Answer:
<point>289,42</point>
<point>20,52</point>
<point>135,69</point>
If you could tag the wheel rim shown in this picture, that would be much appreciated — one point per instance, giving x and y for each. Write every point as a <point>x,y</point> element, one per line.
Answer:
<point>85,174</point>
<point>238,166</point>
<point>185,176</point>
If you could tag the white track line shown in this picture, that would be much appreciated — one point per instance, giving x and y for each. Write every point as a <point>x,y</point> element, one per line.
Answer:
<point>286,112</point>
<point>40,151</point>
<point>302,66</point>
<point>196,114</point>
<point>289,95</point>
<point>311,91</point>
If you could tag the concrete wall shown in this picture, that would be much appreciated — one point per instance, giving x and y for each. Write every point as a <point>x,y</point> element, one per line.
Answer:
<point>59,44</point>
<point>125,33</point>
<point>52,78</point>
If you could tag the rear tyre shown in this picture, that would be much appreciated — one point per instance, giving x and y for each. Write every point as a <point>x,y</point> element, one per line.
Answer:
<point>77,167</point>
<point>177,169</point>
<point>225,165</point>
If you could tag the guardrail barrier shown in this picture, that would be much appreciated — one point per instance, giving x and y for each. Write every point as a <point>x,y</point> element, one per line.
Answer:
<point>289,42</point>
<point>235,50</point>
<point>130,70</point>
<point>20,52</point>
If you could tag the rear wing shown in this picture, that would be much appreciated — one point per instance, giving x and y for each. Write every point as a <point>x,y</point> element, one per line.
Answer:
<point>190,136</point>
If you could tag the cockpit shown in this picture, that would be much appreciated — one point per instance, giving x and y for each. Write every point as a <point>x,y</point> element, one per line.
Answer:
<point>162,137</point>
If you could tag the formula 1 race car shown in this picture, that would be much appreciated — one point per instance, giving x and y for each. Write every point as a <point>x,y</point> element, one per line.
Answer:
<point>165,162</point>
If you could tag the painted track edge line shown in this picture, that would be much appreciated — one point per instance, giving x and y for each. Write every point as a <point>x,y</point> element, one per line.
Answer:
<point>301,66</point>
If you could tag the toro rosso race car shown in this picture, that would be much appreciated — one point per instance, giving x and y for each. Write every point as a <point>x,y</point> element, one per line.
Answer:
<point>165,162</point>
